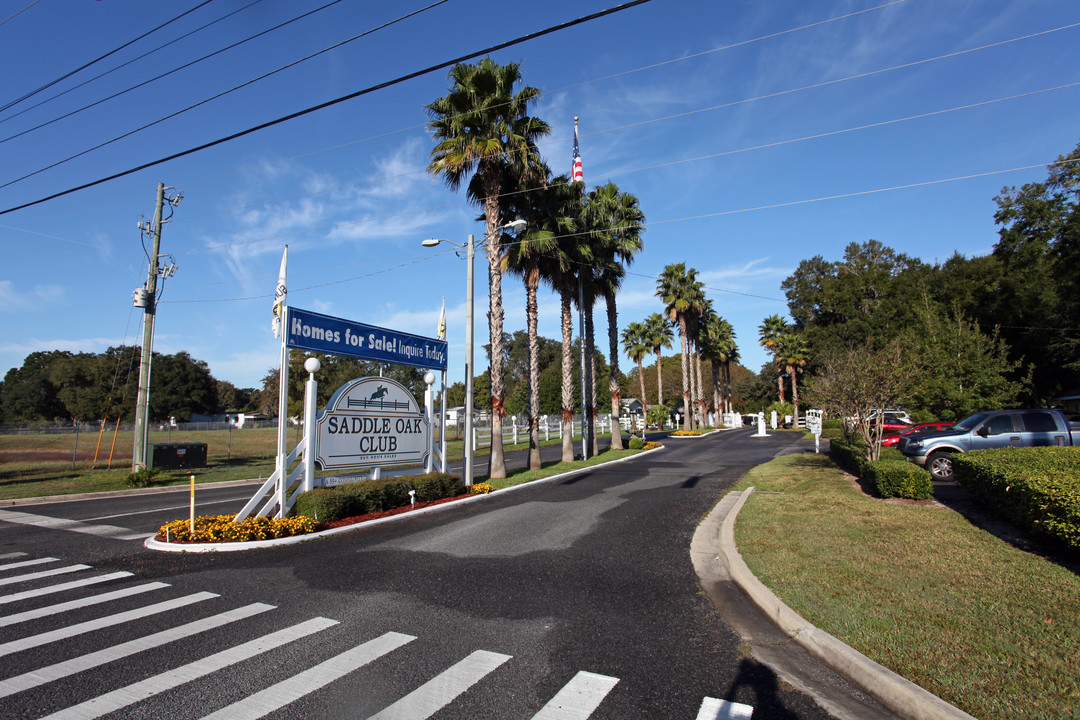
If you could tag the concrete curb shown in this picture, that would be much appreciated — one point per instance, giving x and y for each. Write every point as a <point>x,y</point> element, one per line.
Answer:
<point>152,544</point>
<point>895,692</point>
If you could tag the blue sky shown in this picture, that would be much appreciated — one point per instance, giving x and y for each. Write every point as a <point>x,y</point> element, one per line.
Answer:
<point>755,134</point>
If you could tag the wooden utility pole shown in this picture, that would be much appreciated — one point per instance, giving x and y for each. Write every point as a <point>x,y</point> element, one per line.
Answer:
<point>138,459</point>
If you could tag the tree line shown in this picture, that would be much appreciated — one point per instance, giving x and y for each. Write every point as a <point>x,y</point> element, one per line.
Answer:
<point>61,386</point>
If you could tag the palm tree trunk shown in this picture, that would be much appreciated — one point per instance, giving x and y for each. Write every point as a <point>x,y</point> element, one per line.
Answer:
<point>659,378</point>
<point>717,391</point>
<point>687,411</point>
<point>567,376</point>
<point>613,384</point>
<point>794,396</point>
<point>704,416</point>
<point>780,378</point>
<point>534,369</point>
<point>590,371</point>
<point>497,463</point>
<point>644,404</point>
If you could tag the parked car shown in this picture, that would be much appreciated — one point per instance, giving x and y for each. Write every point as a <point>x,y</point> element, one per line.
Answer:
<point>891,421</point>
<point>893,438</point>
<point>981,431</point>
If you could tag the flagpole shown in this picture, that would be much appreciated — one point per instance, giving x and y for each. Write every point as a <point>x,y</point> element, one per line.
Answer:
<point>283,413</point>
<point>281,330</point>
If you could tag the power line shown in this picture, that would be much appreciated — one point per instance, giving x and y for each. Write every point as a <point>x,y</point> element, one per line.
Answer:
<point>564,88</point>
<point>213,97</point>
<point>99,59</point>
<point>711,156</point>
<point>19,12</point>
<point>336,101</point>
<point>118,67</point>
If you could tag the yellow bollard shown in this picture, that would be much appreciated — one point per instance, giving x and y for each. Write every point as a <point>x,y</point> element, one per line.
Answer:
<point>193,506</point>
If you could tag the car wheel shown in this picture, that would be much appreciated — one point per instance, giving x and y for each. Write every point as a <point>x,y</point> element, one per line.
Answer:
<point>940,465</point>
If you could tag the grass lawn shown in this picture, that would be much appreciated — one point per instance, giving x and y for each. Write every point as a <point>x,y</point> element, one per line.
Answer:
<point>37,466</point>
<point>992,629</point>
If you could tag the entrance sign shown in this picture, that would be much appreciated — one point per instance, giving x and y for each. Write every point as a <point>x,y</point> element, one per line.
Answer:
<point>370,422</point>
<point>324,334</point>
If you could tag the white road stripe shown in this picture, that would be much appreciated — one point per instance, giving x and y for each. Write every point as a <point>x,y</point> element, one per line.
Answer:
<point>279,695</point>
<point>67,632</point>
<point>578,698</point>
<point>116,652</point>
<point>117,699</point>
<point>51,523</point>
<point>236,501</point>
<point>437,693</point>
<point>27,563</point>
<point>43,574</point>
<point>82,602</point>
<point>713,709</point>
<point>8,556</point>
<point>15,597</point>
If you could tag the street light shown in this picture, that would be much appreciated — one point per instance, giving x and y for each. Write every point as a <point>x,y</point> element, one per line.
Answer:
<point>470,251</point>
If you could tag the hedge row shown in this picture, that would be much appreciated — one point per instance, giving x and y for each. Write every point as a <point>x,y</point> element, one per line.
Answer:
<point>1036,488</point>
<point>368,496</point>
<point>890,476</point>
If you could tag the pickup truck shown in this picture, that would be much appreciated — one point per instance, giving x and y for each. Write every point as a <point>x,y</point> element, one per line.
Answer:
<point>981,431</point>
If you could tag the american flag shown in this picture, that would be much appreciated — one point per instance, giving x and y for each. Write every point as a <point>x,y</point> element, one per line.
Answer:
<point>576,173</point>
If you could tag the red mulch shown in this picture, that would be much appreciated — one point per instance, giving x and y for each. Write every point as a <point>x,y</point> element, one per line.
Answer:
<point>385,513</point>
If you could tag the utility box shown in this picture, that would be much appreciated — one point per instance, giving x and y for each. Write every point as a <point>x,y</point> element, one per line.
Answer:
<point>176,456</point>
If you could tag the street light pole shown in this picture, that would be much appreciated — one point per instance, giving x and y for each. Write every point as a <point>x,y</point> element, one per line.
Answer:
<point>467,469</point>
<point>470,253</point>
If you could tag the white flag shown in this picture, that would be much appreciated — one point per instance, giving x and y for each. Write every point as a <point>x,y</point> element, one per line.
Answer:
<point>442,320</point>
<point>279,295</point>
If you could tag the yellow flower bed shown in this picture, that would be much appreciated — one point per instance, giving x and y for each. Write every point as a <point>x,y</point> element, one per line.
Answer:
<point>652,446</point>
<point>480,489</point>
<point>221,528</point>
<point>684,433</point>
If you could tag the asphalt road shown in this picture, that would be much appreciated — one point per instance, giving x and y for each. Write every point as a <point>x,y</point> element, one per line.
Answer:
<point>574,598</point>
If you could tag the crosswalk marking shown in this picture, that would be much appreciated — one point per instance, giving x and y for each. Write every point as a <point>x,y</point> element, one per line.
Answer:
<point>71,585</point>
<point>578,698</point>
<point>437,693</point>
<point>52,523</point>
<point>81,603</point>
<point>713,709</point>
<point>116,652</point>
<point>26,563</point>
<point>67,632</point>
<point>117,699</point>
<point>279,695</point>
<point>43,574</point>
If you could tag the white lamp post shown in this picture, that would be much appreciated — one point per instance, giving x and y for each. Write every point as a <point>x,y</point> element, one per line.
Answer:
<point>470,252</point>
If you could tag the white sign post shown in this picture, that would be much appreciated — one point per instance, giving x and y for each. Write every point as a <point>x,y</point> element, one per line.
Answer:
<point>813,424</point>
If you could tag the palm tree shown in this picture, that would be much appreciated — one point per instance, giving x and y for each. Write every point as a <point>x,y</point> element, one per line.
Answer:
<point>678,288</point>
<point>792,352</point>
<point>526,258</point>
<point>769,333</point>
<point>635,341</point>
<point>482,126</point>
<point>660,335</point>
<point>615,221</point>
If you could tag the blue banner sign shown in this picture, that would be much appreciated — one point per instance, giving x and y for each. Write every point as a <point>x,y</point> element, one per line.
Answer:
<point>324,334</point>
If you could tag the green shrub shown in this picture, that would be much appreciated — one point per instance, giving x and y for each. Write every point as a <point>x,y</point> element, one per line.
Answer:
<point>143,477</point>
<point>1036,488</point>
<point>637,443</point>
<point>899,478</point>
<point>848,455</point>
<point>370,496</point>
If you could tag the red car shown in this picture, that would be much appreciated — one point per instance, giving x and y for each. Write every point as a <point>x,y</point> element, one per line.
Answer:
<point>894,437</point>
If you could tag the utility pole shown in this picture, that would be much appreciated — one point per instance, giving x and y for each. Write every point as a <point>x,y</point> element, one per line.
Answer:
<point>146,298</point>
